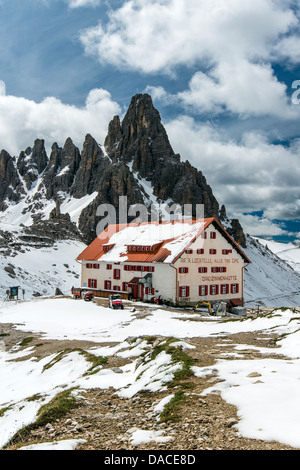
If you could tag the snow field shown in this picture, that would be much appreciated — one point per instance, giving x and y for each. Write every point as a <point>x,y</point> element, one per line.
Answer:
<point>265,391</point>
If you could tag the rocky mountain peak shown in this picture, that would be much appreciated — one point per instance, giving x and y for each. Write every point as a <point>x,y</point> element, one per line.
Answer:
<point>138,162</point>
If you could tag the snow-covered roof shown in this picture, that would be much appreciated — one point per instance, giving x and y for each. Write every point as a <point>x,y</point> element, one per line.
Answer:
<point>168,239</point>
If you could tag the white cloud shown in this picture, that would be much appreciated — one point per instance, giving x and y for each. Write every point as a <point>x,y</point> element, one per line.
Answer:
<point>22,120</point>
<point>83,3</point>
<point>158,35</point>
<point>250,175</point>
<point>260,226</point>
<point>241,87</point>
<point>231,41</point>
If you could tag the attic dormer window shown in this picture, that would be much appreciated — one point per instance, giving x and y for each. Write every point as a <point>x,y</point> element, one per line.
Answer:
<point>107,248</point>
<point>139,248</point>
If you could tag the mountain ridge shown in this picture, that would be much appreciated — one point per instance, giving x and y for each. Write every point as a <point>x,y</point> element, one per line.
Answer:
<point>136,150</point>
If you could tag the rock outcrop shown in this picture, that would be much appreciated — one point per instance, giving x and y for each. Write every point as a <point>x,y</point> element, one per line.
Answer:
<point>137,161</point>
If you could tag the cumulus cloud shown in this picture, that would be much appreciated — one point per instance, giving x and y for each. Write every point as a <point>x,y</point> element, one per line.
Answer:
<point>241,87</point>
<point>250,175</point>
<point>23,120</point>
<point>232,43</point>
<point>261,226</point>
<point>158,35</point>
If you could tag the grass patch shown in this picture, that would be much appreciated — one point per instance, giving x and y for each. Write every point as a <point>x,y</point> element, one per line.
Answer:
<point>180,380</point>
<point>96,361</point>
<point>58,407</point>
<point>4,410</point>
<point>178,356</point>
<point>26,341</point>
<point>170,412</point>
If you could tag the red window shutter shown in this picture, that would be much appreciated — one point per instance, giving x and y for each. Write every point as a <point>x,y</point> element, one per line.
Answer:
<point>234,288</point>
<point>214,289</point>
<point>183,270</point>
<point>92,283</point>
<point>116,273</point>
<point>187,291</point>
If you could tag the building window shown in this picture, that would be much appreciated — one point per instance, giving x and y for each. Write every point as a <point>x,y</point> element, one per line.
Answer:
<point>212,251</point>
<point>215,269</point>
<point>149,290</point>
<point>108,266</point>
<point>124,286</point>
<point>107,285</point>
<point>184,291</point>
<point>92,283</point>
<point>89,265</point>
<point>117,273</point>
<point>200,251</point>
<point>202,270</point>
<point>224,289</point>
<point>222,269</point>
<point>96,266</point>
<point>214,289</point>
<point>203,235</point>
<point>183,270</point>
<point>189,252</point>
<point>213,235</point>
<point>234,288</point>
<point>203,290</point>
<point>106,248</point>
<point>118,288</point>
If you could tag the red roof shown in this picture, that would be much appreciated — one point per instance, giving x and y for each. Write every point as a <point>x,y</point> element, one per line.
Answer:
<point>95,250</point>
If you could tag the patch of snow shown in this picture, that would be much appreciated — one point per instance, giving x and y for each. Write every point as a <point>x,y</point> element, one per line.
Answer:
<point>67,444</point>
<point>144,437</point>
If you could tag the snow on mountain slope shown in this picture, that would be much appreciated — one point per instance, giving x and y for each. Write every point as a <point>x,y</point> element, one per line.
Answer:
<point>269,281</point>
<point>42,270</point>
<point>286,251</point>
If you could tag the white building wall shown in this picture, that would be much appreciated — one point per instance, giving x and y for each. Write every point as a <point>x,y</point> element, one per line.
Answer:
<point>232,263</point>
<point>163,277</point>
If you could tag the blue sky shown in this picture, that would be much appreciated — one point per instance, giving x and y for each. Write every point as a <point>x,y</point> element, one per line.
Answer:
<point>220,73</point>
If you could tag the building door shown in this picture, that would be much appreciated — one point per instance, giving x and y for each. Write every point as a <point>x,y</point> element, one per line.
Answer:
<point>135,288</point>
